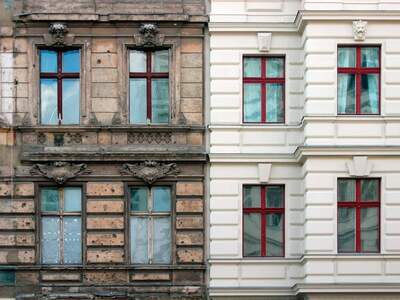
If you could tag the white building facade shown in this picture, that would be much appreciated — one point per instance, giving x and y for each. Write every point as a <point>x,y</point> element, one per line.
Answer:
<point>304,149</point>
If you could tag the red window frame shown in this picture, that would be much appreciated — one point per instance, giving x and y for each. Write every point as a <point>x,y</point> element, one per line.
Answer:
<point>263,80</point>
<point>59,75</point>
<point>148,75</point>
<point>358,205</point>
<point>263,211</point>
<point>358,70</point>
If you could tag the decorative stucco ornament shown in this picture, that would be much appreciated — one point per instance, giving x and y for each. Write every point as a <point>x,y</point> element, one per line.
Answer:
<point>58,33</point>
<point>264,41</point>
<point>60,171</point>
<point>149,171</point>
<point>359,166</point>
<point>359,30</point>
<point>149,36</point>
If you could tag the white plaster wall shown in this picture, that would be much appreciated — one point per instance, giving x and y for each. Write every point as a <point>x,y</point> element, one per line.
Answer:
<point>350,4</point>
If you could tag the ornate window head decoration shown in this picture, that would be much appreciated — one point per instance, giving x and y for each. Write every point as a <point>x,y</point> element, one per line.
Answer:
<point>149,36</point>
<point>359,30</point>
<point>60,171</point>
<point>149,171</point>
<point>58,35</point>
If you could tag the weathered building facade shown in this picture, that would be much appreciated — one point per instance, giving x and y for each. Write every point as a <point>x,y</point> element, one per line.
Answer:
<point>102,150</point>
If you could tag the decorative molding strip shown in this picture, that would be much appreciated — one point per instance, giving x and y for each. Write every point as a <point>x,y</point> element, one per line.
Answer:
<point>60,171</point>
<point>154,138</point>
<point>149,171</point>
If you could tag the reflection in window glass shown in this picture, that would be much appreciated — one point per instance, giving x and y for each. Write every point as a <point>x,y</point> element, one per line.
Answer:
<point>139,199</point>
<point>137,61</point>
<point>252,102</point>
<point>346,94</point>
<point>48,61</point>
<point>72,199</point>
<point>51,240</point>
<point>160,98</point>
<point>161,240</point>
<point>138,104</point>
<point>252,67</point>
<point>70,101</point>
<point>71,61</point>
<point>139,240</point>
<point>252,235</point>
<point>252,196</point>
<point>275,67</point>
<point>274,232</point>
<point>275,102</point>
<point>160,61</point>
<point>346,57</point>
<point>48,96</point>
<point>72,240</point>
<point>161,199</point>
<point>346,229</point>
<point>49,199</point>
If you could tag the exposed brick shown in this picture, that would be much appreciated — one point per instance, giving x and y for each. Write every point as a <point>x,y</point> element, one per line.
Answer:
<point>104,75</point>
<point>104,45</point>
<point>105,189</point>
<point>105,239</point>
<point>189,189</point>
<point>24,189</point>
<point>5,189</point>
<point>104,277</point>
<point>192,45</point>
<point>195,205</point>
<point>150,276</point>
<point>105,60</point>
<point>17,223</point>
<point>14,256</point>
<point>190,255</point>
<point>105,256</point>
<point>189,222</point>
<point>105,223</point>
<point>104,206</point>
<point>64,276</point>
<point>21,239</point>
<point>17,206</point>
<point>189,238</point>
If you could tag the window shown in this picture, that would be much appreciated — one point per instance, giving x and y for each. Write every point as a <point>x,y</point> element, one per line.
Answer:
<point>263,89</point>
<point>59,86</point>
<point>150,225</point>
<point>358,80</point>
<point>149,86</point>
<point>358,215</point>
<point>61,241</point>
<point>263,220</point>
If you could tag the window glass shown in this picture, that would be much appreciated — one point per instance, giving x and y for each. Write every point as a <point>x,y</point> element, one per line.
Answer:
<point>369,229</point>
<point>252,102</point>
<point>369,190</point>
<point>370,57</point>
<point>161,199</point>
<point>275,109</point>
<point>274,232</point>
<point>71,61</point>
<point>252,234</point>
<point>50,240</point>
<point>72,199</point>
<point>70,101</point>
<point>346,94</point>
<point>161,240</point>
<point>346,57</point>
<point>139,196</point>
<point>346,229</point>
<point>252,67</point>
<point>275,67</point>
<point>49,199</point>
<point>48,61</point>
<point>48,98</point>
<point>72,240</point>
<point>138,104</point>
<point>137,61</point>
<point>7,277</point>
<point>274,196</point>
<point>160,100</point>
<point>346,190</point>
<point>370,94</point>
<point>139,240</point>
<point>252,196</point>
<point>160,61</point>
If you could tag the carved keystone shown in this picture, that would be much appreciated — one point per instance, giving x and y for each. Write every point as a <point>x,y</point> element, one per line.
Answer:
<point>149,36</point>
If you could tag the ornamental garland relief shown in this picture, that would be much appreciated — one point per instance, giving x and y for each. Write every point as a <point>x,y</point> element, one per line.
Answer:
<point>149,171</point>
<point>60,172</point>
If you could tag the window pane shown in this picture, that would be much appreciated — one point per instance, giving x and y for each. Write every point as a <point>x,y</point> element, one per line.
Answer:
<point>139,240</point>
<point>49,199</point>
<point>274,232</point>
<point>7,277</point>
<point>346,57</point>
<point>72,240</point>
<point>346,190</point>
<point>252,235</point>
<point>252,67</point>
<point>162,240</point>
<point>71,61</point>
<point>48,99</point>
<point>50,241</point>
<point>274,102</point>
<point>346,94</point>
<point>275,67</point>
<point>161,199</point>
<point>70,99</point>
<point>72,199</point>
<point>252,102</point>
<point>274,196</point>
<point>370,94</point>
<point>48,61</point>
<point>137,61</point>
<point>369,190</point>
<point>370,57</point>
<point>346,229</point>
<point>369,229</point>
<point>251,196</point>
<point>139,197</point>
<point>160,100</point>
<point>138,101</point>
<point>160,61</point>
